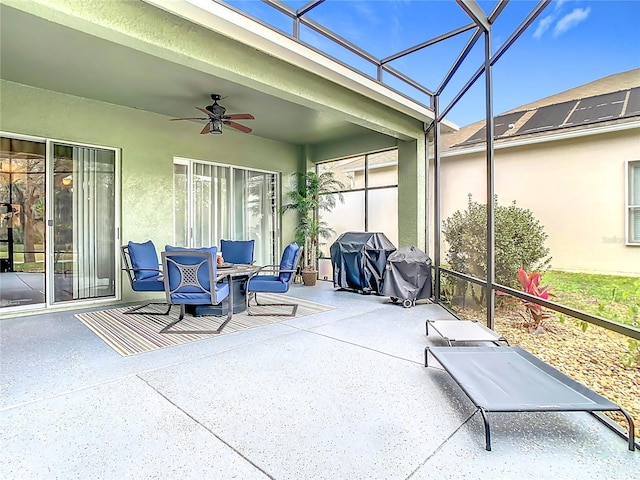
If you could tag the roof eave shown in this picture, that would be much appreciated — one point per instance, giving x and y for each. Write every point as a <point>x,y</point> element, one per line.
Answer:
<point>531,140</point>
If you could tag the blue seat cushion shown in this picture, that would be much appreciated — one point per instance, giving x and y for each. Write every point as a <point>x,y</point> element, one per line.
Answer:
<point>155,284</point>
<point>201,298</point>
<point>288,260</point>
<point>267,283</point>
<point>144,260</point>
<point>237,251</point>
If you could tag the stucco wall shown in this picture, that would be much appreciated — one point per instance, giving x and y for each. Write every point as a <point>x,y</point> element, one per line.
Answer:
<point>148,143</point>
<point>575,187</point>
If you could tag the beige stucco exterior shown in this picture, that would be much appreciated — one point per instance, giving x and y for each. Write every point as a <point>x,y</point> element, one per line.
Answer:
<point>573,183</point>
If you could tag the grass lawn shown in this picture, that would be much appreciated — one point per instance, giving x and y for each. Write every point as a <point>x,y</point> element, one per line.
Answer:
<point>608,296</point>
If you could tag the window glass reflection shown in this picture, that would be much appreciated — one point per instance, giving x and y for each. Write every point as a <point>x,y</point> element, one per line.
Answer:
<point>349,171</point>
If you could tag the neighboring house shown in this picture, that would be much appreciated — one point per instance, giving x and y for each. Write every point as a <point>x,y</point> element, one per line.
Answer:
<point>573,159</point>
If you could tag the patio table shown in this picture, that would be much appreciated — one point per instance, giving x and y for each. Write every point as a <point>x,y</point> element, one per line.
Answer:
<point>239,274</point>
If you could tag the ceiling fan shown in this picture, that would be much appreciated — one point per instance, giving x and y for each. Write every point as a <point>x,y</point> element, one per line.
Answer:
<point>216,117</point>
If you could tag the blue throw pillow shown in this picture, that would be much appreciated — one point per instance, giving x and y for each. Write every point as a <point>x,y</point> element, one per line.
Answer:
<point>213,250</point>
<point>237,251</point>
<point>145,258</point>
<point>288,260</point>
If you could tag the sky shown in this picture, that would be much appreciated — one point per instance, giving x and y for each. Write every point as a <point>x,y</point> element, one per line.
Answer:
<point>572,42</point>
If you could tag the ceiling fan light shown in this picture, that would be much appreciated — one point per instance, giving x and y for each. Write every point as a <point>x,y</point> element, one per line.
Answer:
<point>216,126</point>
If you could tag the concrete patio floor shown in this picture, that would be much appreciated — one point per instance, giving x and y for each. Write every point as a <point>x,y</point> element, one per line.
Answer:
<point>342,394</point>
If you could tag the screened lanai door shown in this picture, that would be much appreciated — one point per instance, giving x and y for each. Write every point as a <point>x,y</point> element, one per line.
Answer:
<point>215,202</point>
<point>58,220</point>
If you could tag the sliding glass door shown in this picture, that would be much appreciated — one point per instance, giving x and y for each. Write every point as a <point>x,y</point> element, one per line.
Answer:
<point>214,202</point>
<point>58,217</point>
<point>22,222</point>
<point>255,212</point>
<point>82,223</point>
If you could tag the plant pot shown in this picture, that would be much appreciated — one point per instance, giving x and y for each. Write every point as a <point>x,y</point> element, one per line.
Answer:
<point>309,277</point>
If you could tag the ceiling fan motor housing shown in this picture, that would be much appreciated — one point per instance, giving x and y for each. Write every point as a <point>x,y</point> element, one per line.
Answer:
<point>216,109</point>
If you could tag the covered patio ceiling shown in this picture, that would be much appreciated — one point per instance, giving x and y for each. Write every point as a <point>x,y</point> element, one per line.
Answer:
<point>52,55</point>
<point>55,56</point>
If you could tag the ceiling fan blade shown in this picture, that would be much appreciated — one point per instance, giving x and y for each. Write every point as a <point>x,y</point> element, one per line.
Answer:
<point>206,129</point>
<point>206,112</point>
<point>237,126</point>
<point>189,118</point>
<point>239,116</point>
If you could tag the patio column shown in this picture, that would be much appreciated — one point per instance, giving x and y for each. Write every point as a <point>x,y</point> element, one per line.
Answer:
<point>411,193</point>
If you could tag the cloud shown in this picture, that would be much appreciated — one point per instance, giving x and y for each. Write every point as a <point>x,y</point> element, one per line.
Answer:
<point>543,26</point>
<point>570,20</point>
<point>367,11</point>
<point>558,4</point>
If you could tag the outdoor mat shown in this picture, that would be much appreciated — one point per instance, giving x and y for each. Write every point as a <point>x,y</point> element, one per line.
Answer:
<point>139,333</point>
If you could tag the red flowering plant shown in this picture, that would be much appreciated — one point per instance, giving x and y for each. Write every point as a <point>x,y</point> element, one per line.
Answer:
<point>530,283</point>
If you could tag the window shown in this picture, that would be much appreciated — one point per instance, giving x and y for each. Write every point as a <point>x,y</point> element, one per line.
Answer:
<point>214,202</point>
<point>370,199</point>
<point>633,202</point>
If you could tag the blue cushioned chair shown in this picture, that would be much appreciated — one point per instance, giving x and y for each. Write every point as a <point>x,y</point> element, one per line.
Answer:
<point>275,279</point>
<point>190,278</point>
<point>237,251</point>
<point>140,261</point>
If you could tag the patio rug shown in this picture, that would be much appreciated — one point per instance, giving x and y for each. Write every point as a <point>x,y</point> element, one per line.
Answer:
<point>132,334</point>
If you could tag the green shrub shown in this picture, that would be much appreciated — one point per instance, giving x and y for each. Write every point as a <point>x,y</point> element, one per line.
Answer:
<point>519,242</point>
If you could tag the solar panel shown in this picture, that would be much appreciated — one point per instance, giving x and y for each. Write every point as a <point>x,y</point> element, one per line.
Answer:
<point>547,118</point>
<point>598,108</point>
<point>502,122</point>
<point>633,105</point>
<point>500,127</point>
<point>479,136</point>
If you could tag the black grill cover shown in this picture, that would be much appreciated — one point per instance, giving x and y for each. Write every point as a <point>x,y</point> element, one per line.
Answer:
<point>359,260</point>
<point>408,275</point>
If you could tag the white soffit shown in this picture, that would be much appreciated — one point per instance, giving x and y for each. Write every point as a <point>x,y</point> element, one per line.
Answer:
<point>227,22</point>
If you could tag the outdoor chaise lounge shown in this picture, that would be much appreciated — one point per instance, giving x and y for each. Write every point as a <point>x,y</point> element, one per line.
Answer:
<point>460,331</point>
<point>510,379</point>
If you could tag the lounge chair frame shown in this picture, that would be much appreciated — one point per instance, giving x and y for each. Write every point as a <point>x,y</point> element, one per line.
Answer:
<point>510,379</point>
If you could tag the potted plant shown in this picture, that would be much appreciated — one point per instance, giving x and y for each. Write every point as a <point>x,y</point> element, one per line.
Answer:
<point>310,194</point>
